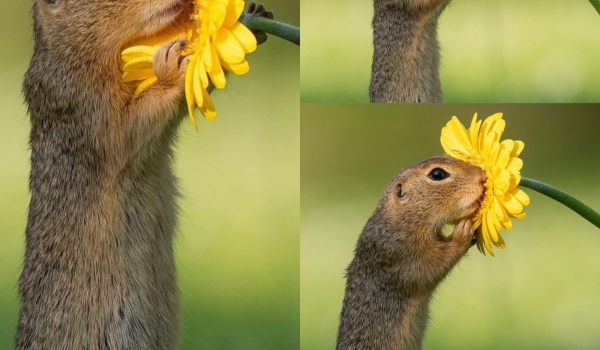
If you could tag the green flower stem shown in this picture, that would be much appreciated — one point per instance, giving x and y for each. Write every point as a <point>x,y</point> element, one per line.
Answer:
<point>573,203</point>
<point>596,4</point>
<point>269,26</point>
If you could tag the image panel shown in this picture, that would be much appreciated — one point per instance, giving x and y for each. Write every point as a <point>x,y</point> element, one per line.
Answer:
<point>132,224</point>
<point>506,51</point>
<point>537,291</point>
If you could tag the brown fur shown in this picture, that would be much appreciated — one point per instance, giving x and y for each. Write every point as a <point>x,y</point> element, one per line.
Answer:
<point>401,255</point>
<point>406,54</point>
<point>99,271</point>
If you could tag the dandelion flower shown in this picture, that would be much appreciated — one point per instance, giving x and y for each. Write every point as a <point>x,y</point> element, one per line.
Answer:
<point>480,145</point>
<point>217,42</point>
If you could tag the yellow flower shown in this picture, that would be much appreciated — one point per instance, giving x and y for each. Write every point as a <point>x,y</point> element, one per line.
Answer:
<point>217,41</point>
<point>481,146</point>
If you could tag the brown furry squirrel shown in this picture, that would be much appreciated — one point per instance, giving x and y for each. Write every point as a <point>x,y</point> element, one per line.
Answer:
<point>406,55</point>
<point>401,255</point>
<point>99,270</point>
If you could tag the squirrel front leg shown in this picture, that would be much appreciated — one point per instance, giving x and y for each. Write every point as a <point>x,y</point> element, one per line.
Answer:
<point>149,113</point>
<point>441,256</point>
<point>457,245</point>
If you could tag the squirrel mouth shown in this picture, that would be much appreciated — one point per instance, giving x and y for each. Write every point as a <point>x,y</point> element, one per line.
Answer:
<point>476,205</point>
<point>479,201</point>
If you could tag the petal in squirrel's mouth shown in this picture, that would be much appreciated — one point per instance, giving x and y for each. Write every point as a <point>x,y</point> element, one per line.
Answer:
<point>477,204</point>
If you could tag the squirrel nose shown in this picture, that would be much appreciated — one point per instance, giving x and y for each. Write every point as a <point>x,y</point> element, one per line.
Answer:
<point>482,177</point>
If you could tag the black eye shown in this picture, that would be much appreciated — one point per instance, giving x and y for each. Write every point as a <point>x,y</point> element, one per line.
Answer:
<point>438,174</point>
<point>53,3</point>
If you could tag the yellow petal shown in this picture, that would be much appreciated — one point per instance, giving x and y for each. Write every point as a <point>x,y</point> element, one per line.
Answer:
<point>494,151</point>
<point>493,219</point>
<point>208,109</point>
<point>189,90</point>
<point>207,55</point>
<point>501,186</point>
<point>514,165</point>
<point>234,11</point>
<point>507,224</point>
<point>454,139</point>
<point>197,82</point>
<point>134,52</point>
<point>490,145</point>
<point>500,243</point>
<point>518,216</point>
<point>201,75</point>
<point>244,36</point>
<point>461,133</point>
<point>498,126</point>
<point>519,145</point>
<point>485,233</point>
<point>217,76</point>
<point>511,204</point>
<point>521,196</point>
<point>473,130</point>
<point>237,69</point>
<point>499,210</point>
<point>144,84</point>
<point>138,64</point>
<point>479,240</point>
<point>487,127</point>
<point>217,11</point>
<point>228,47</point>
<point>508,145</point>
<point>503,158</point>
<point>491,225</point>
<point>138,75</point>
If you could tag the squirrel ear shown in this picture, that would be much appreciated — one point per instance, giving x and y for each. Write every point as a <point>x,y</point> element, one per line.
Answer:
<point>399,192</point>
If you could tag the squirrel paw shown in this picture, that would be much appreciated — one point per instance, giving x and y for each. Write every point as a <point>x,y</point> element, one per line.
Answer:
<point>463,234</point>
<point>259,10</point>
<point>167,65</point>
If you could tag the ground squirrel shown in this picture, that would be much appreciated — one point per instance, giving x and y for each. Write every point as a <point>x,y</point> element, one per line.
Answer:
<point>406,55</point>
<point>402,255</point>
<point>99,269</point>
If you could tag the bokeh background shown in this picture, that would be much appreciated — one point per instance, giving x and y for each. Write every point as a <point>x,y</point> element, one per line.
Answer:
<point>541,292</point>
<point>237,247</point>
<point>492,51</point>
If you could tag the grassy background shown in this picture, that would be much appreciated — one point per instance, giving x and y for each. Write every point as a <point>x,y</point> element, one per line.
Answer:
<point>541,292</point>
<point>492,51</point>
<point>237,250</point>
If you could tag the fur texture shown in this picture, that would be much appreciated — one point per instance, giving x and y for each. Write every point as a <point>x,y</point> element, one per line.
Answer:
<point>401,255</point>
<point>99,271</point>
<point>406,55</point>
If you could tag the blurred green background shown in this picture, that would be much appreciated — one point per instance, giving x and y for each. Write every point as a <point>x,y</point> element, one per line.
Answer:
<point>492,51</point>
<point>237,247</point>
<point>541,292</point>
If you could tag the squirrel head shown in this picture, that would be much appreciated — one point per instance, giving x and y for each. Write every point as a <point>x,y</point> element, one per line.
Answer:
<point>101,27</point>
<point>435,192</point>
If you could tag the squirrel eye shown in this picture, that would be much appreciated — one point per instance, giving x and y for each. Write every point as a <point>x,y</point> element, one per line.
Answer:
<point>52,3</point>
<point>438,174</point>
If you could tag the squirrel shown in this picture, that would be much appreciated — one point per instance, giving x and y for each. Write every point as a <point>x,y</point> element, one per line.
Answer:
<point>99,270</point>
<point>406,55</point>
<point>402,255</point>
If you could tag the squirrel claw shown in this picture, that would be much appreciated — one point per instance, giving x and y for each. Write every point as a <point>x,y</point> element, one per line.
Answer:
<point>258,10</point>
<point>167,65</point>
<point>463,233</point>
